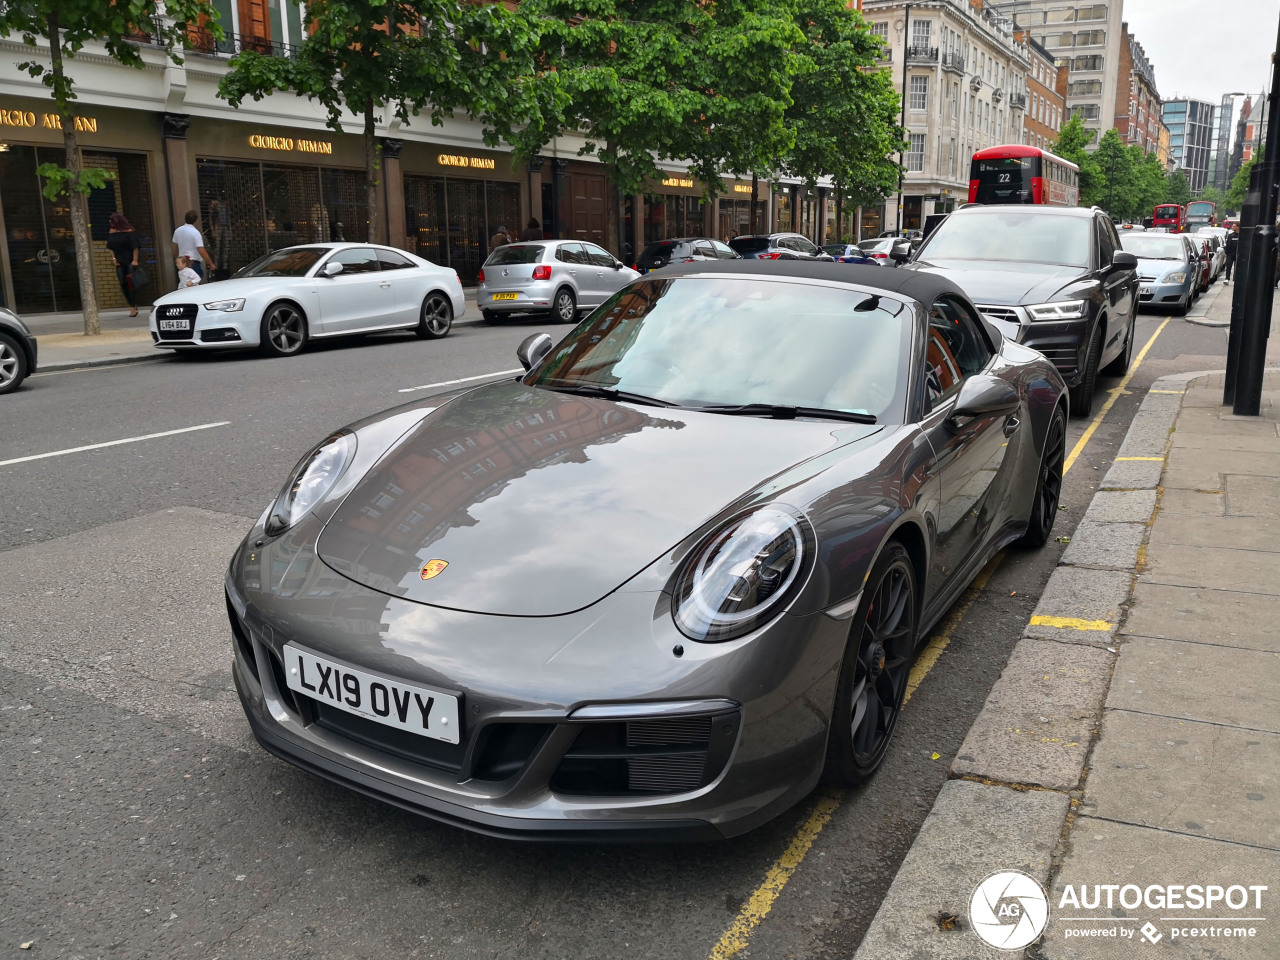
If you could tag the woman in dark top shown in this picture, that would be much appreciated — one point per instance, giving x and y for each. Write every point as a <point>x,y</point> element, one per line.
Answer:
<point>124,251</point>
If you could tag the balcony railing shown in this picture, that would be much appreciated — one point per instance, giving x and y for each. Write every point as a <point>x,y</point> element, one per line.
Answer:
<point>953,61</point>
<point>922,54</point>
<point>1017,101</point>
<point>200,40</point>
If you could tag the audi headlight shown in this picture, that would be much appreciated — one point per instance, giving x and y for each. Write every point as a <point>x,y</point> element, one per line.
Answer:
<point>741,575</point>
<point>226,306</point>
<point>312,478</point>
<point>1179,277</point>
<point>1061,310</point>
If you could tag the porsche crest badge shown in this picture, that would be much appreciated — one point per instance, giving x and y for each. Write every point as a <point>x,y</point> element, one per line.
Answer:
<point>433,568</point>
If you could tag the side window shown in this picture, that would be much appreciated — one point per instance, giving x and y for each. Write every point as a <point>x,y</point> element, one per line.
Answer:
<point>1106,246</point>
<point>598,256</point>
<point>788,243</point>
<point>357,260</point>
<point>571,253</point>
<point>723,251</point>
<point>390,260</point>
<point>804,246</point>
<point>703,248</point>
<point>956,349</point>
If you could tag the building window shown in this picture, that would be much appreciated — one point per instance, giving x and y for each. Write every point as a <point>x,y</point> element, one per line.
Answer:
<point>1088,111</point>
<point>1093,62</point>
<point>880,30</point>
<point>1084,88</point>
<point>1091,38</point>
<point>919,93</point>
<point>921,33</point>
<point>1094,11</point>
<point>915,157</point>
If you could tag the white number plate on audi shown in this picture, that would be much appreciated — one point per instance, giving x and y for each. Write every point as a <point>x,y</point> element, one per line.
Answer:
<point>175,324</point>
<point>405,706</point>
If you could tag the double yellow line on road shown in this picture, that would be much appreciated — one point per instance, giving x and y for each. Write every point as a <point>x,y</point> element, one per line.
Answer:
<point>761,901</point>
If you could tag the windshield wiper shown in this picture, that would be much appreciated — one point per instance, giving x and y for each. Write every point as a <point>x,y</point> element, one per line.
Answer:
<point>606,393</point>
<point>785,412</point>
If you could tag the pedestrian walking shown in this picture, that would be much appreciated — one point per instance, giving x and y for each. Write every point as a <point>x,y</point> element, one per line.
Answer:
<point>533,231</point>
<point>187,242</point>
<point>500,238</point>
<point>187,276</point>
<point>1233,242</point>
<point>124,247</point>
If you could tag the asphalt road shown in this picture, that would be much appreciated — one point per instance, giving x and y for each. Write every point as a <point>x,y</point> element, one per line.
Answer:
<point>138,818</point>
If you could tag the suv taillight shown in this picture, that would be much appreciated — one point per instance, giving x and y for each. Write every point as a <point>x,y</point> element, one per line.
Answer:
<point>480,278</point>
<point>769,256</point>
<point>542,272</point>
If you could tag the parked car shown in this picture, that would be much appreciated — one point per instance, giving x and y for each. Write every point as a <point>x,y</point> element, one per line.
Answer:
<point>849,253</point>
<point>647,614</point>
<point>18,351</point>
<point>559,278</point>
<point>290,296</point>
<point>779,246</point>
<point>683,250</point>
<point>1217,251</point>
<point>1205,255</point>
<point>881,250</point>
<point>1055,278</point>
<point>1167,270</point>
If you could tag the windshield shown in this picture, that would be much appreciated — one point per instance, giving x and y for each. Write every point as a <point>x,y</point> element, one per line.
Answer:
<point>835,249</point>
<point>749,244</point>
<point>1167,213</point>
<point>293,262</point>
<point>515,253</point>
<point>1005,179</point>
<point>702,341</point>
<point>1012,235</point>
<point>1154,246</point>
<point>870,244</point>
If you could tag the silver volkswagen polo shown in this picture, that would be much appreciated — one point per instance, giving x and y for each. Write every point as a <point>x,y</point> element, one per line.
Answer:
<point>559,277</point>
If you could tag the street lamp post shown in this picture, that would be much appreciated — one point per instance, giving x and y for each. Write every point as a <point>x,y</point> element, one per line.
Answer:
<point>906,57</point>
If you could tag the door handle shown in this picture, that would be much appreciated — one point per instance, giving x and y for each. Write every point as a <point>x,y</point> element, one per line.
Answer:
<point>385,284</point>
<point>1011,426</point>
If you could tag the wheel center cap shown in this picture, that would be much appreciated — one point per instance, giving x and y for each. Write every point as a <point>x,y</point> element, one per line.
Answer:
<point>877,660</point>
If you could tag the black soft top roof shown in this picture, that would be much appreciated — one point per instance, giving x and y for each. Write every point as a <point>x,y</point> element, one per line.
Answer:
<point>911,284</point>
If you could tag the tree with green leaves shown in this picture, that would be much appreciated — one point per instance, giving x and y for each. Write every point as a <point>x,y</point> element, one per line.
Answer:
<point>1150,183</point>
<point>1239,188</point>
<point>844,110</point>
<point>380,58</point>
<point>1213,195</point>
<point>650,80</point>
<point>1179,190</point>
<point>61,29</point>
<point>1072,144</point>
<point>1115,167</point>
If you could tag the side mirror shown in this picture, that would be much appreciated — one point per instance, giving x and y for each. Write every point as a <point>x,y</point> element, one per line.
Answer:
<point>901,251</point>
<point>331,269</point>
<point>617,265</point>
<point>1124,260</point>
<point>532,349</point>
<point>984,396</point>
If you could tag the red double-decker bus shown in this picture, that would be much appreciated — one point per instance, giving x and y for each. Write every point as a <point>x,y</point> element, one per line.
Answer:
<point>1020,174</point>
<point>1171,216</point>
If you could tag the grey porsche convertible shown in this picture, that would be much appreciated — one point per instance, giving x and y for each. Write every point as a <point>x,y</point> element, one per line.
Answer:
<point>666,581</point>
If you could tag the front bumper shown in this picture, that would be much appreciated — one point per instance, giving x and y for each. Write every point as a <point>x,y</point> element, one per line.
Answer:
<point>562,681</point>
<point>1156,294</point>
<point>207,329</point>
<point>1063,342</point>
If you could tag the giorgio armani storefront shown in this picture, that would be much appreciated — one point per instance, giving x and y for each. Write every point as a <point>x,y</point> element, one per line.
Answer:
<point>38,260</point>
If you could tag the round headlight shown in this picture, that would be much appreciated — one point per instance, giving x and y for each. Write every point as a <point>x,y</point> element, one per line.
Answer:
<point>312,478</point>
<point>739,576</point>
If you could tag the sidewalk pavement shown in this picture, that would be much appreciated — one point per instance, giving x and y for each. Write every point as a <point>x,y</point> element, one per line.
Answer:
<point>125,339</point>
<point>1133,739</point>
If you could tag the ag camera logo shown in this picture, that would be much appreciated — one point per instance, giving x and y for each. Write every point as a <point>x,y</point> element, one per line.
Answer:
<point>1009,910</point>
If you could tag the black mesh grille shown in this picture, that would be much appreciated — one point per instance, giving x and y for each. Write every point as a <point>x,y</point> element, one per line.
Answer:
<point>666,774</point>
<point>679,730</point>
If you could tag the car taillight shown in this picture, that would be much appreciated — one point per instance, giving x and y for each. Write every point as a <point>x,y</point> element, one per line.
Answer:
<point>769,256</point>
<point>881,256</point>
<point>481,276</point>
<point>542,273</point>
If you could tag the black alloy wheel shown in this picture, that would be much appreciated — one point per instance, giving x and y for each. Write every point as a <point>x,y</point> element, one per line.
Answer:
<point>1082,394</point>
<point>873,678</point>
<point>284,330</point>
<point>13,364</point>
<point>1120,365</point>
<point>436,319</point>
<point>1048,493</point>
<point>565,307</point>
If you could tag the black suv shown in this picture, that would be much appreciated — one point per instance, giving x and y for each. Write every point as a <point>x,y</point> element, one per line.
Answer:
<point>659,253</point>
<point>779,246</point>
<point>1053,278</point>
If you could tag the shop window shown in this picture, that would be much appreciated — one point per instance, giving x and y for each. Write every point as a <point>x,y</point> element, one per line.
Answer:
<point>466,235</point>
<point>424,217</point>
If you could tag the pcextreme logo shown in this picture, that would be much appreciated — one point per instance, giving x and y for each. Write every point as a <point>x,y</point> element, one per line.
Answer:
<point>1009,910</point>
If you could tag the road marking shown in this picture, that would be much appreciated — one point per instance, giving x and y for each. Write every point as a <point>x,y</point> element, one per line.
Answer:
<point>112,443</point>
<point>450,383</point>
<point>1130,459</point>
<point>1116,392</point>
<point>752,914</point>
<point>1177,393</point>
<point>1071,623</point>
<point>737,937</point>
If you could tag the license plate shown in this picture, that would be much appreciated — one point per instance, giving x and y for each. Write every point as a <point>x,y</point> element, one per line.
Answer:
<point>175,324</point>
<point>405,706</point>
<point>505,296</point>
<point>1146,291</point>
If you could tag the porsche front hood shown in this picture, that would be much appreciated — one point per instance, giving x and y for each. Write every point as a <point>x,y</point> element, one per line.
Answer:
<point>520,501</point>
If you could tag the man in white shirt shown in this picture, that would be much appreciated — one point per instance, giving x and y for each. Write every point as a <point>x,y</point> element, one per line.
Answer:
<point>187,242</point>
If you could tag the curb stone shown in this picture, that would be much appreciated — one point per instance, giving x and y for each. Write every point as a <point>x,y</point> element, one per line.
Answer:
<point>1029,747</point>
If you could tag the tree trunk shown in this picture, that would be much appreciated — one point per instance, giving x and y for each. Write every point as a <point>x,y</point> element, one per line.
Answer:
<point>75,199</point>
<point>755,204</point>
<point>373,173</point>
<point>840,234</point>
